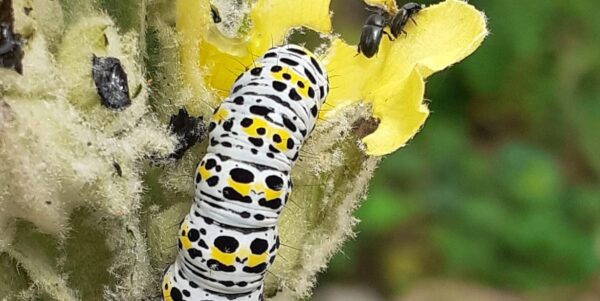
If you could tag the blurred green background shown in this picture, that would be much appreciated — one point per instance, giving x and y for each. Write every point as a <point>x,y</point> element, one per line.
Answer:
<point>497,198</point>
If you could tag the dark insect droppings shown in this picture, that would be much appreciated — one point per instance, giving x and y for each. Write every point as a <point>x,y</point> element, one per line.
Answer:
<point>214,14</point>
<point>189,131</point>
<point>11,53</point>
<point>118,169</point>
<point>111,82</point>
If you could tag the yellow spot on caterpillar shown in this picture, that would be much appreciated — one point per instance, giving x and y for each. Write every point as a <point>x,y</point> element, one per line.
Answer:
<point>204,173</point>
<point>244,189</point>
<point>254,259</point>
<point>270,131</point>
<point>185,241</point>
<point>284,136</point>
<point>224,258</point>
<point>295,79</point>
<point>270,194</point>
<point>166,288</point>
<point>241,188</point>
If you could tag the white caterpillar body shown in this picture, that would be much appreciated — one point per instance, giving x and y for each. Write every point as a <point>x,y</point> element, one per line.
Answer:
<point>229,239</point>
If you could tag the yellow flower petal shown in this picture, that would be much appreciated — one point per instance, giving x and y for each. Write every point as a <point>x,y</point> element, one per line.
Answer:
<point>393,80</point>
<point>218,60</point>
<point>408,116</point>
<point>445,34</point>
<point>390,5</point>
<point>273,18</point>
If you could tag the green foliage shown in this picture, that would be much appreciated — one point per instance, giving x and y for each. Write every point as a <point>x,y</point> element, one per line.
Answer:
<point>501,187</point>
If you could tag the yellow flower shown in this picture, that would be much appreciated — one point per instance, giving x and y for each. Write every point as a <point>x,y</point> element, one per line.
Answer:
<point>208,57</point>
<point>392,81</point>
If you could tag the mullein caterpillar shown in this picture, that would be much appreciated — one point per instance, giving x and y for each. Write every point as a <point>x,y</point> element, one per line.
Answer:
<point>229,238</point>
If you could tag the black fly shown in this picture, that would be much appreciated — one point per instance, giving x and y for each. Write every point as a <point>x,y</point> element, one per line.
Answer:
<point>374,27</point>
<point>372,33</point>
<point>405,13</point>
